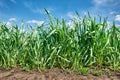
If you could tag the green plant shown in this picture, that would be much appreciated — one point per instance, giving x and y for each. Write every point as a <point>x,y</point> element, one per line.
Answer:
<point>83,70</point>
<point>89,42</point>
<point>97,72</point>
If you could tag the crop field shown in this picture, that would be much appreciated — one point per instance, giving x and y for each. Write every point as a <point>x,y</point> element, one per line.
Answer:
<point>87,43</point>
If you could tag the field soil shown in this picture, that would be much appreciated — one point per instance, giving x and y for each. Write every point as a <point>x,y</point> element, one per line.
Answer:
<point>53,74</point>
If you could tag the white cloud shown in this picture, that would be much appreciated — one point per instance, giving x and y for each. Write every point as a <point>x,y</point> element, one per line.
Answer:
<point>8,23</point>
<point>70,24</point>
<point>106,4</point>
<point>117,17</point>
<point>13,1</point>
<point>105,8</point>
<point>12,19</point>
<point>35,22</point>
<point>113,12</point>
<point>101,2</point>
<point>71,15</point>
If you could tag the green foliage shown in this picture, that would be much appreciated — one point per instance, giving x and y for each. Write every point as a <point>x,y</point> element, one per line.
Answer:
<point>83,70</point>
<point>87,43</point>
<point>97,72</point>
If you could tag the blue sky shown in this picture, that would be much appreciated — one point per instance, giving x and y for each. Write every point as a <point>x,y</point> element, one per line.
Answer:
<point>32,11</point>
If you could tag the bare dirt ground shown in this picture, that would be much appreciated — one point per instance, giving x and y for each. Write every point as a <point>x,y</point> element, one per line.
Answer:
<point>52,74</point>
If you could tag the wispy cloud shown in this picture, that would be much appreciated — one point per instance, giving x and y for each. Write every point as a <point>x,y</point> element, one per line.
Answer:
<point>105,8</point>
<point>102,2</point>
<point>28,5</point>
<point>42,11</point>
<point>107,4</point>
<point>71,15</point>
<point>12,19</point>
<point>8,23</point>
<point>70,24</point>
<point>113,12</point>
<point>35,22</point>
<point>13,1</point>
<point>36,9</point>
<point>117,17</point>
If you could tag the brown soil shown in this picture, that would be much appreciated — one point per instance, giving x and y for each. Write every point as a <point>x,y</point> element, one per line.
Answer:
<point>52,74</point>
